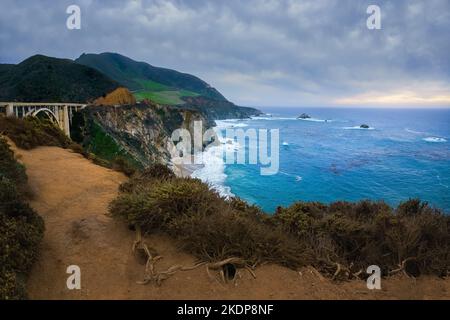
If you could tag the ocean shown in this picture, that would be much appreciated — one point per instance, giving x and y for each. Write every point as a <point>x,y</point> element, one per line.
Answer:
<point>405,153</point>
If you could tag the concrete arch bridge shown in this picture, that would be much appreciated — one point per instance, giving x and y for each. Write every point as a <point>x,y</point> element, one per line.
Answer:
<point>60,113</point>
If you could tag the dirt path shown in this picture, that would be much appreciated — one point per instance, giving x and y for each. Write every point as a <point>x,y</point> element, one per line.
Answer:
<point>72,195</point>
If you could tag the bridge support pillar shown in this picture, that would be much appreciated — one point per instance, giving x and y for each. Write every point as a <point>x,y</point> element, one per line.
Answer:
<point>10,110</point>
<point>65,121</point>
<point>62,113</point>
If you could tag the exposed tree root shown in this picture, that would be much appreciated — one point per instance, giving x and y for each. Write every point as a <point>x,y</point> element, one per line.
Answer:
<point>401,267</point>
<point>341,270</point>
<point>153,276</point>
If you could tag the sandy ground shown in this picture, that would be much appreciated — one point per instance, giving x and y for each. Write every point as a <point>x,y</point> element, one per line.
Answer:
<point>72,195</point>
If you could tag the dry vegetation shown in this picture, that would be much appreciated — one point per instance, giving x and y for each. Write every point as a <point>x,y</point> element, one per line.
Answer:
<point>120,96</point>
<point>340,240</point>
<point>31,132</point>
<point>21,228</point>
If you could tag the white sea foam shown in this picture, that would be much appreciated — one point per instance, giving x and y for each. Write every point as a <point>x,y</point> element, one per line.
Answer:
<point>213,170</point>
<point>231,123</point>
<point>296,177</point>
<point>316,120</point>
<point>358,128</point>
<point>239,125</point>
<point>414,131</point>
<point>285,143</point>
<point>434,139</point>
<point>271,118</point>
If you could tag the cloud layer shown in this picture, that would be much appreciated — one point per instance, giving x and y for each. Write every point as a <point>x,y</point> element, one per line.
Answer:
<point>277,53</point>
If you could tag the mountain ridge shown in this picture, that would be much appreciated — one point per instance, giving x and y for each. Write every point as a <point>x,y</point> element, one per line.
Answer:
<point>41,78</point>
<point>134,74</point>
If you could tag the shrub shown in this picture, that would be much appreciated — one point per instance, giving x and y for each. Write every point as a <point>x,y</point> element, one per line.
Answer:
<point>21,229</point>
<point>414,237</point>
<point>148,175</point>
<point>204,223</point>
<point>226,234</point>
<point>123,165</point>
<point>340,239</point>
<point>153,206</point>
<point>11,169</point>
<point>31,132</point>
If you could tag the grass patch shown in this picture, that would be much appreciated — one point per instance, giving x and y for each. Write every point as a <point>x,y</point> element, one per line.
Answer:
<point>152,85</point>
<point>167,97</point>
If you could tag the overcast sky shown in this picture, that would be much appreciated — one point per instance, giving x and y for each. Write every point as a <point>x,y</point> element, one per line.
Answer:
<point>259,53</point>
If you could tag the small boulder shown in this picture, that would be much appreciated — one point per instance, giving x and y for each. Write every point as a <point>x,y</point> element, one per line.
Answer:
<point>364,126</point>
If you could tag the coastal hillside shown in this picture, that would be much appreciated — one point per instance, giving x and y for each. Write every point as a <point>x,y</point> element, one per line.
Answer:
<point>166,86</point>
<point>219,110</point>
<point>41,78</point>
<point>92,78</point>
<point>76,213</point>
<point>147,80</point>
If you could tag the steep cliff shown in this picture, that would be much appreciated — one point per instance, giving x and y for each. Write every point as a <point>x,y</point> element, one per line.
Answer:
<point>139,133</point>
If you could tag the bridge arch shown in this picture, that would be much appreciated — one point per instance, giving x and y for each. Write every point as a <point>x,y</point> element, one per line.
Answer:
<point>49,113</point>
<point>59,113</point>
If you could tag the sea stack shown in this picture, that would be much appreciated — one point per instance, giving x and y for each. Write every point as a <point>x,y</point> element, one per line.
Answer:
<point>303,116</point>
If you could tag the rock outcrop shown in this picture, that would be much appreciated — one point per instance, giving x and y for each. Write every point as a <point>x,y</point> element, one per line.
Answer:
<point>140,132</point>
<point>120,96</point>
<point>303,116</point>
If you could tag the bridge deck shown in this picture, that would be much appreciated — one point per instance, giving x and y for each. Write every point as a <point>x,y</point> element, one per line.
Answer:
<point>40,104</point>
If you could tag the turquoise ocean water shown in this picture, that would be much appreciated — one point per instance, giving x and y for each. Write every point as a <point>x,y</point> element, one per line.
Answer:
<point>404,154</point>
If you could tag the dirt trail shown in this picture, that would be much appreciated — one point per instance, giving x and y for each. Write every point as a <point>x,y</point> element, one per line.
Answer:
<point>72,195</point>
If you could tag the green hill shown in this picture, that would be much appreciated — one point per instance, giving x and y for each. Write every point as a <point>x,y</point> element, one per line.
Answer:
<point>40,78</point>
<point>161,85</point>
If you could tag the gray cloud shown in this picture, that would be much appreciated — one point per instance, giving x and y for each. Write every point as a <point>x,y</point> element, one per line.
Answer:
<point>255,52</point>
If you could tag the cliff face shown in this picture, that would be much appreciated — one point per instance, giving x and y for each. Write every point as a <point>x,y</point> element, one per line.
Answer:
<point>140,133</point>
